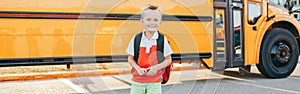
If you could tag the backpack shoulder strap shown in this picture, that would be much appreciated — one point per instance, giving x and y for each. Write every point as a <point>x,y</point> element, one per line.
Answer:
<point>160,48</point>
<point>137,41</point>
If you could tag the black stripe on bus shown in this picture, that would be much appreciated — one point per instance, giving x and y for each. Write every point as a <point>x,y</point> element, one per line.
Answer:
<point>95,16</point>
<point>6,62</point>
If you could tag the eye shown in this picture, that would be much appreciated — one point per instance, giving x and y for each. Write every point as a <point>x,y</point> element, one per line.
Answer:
<point>156,20</point>
<point>148,19</point>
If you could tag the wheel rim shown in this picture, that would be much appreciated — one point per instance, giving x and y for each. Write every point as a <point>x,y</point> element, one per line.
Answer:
<point>280,54</point>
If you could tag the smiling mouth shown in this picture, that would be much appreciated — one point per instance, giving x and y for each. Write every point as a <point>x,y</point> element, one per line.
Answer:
<point>152,26</point>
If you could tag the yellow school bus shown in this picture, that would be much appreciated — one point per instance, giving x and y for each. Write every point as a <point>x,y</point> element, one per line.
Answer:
<point>220,33</point>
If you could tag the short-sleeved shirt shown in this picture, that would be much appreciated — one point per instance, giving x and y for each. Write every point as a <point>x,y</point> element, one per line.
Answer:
<point>148,56</point>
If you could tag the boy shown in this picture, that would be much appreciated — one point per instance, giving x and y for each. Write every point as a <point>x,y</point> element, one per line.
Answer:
<point>147,72</point>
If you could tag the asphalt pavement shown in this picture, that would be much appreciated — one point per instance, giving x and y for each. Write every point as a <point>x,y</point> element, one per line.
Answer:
<point>197,81</point>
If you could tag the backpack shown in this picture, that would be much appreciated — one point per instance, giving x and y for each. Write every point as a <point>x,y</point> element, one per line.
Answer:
<point>160,54</point>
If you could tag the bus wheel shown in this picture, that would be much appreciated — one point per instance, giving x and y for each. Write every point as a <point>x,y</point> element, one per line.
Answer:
<point>279,54</point>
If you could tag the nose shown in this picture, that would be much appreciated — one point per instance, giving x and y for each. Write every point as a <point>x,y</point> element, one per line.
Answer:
<point>153,22</point>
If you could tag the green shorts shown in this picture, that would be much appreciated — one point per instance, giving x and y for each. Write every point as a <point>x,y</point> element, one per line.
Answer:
<point>145,88</point>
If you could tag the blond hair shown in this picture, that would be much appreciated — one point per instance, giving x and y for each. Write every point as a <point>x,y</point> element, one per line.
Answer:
<point>150,7</point>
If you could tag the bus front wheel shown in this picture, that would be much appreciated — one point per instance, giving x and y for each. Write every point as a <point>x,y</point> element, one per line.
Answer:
<point>279,54</point>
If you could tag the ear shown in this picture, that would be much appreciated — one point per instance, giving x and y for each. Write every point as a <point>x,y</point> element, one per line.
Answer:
<point>142,19</point>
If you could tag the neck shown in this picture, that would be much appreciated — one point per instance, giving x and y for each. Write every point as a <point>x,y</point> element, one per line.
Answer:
<point>149,34</point>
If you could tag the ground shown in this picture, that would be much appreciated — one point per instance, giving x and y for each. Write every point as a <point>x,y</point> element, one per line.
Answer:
<point>61,68</point>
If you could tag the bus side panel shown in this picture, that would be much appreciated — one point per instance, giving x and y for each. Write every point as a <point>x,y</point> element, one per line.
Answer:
<point>27,37</point>
<point>35,37</point>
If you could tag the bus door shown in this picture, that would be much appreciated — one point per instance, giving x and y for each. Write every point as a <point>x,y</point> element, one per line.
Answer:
<point>228,34</point>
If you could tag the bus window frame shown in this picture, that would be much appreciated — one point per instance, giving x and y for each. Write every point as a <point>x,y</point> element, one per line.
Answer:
<point>253,20</point>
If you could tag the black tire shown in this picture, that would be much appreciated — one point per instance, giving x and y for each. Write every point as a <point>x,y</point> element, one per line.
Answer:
<point>279,54</point>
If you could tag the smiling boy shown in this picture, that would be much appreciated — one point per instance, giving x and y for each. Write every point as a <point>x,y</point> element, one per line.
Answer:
<point>147,70</point>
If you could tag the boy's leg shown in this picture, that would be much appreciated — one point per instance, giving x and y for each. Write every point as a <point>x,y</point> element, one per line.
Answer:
<point>154,88</point>
<point>137,88</point>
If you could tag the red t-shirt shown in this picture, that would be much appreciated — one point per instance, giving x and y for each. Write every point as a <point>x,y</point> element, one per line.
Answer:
<point>146,60</point>
<point>148,57</point>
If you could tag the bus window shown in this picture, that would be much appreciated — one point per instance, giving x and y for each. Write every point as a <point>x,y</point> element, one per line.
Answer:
<point>254,12</point>
<point>220,24</point>
<point>219,21</point>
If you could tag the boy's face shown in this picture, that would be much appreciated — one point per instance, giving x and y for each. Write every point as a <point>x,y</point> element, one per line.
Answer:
<point>151,20</point>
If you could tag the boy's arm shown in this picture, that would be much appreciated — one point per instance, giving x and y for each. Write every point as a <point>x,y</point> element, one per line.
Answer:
<point>132,62</point>
<point>155,68</point>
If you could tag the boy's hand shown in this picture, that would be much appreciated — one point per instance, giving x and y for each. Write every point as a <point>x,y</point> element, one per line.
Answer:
<point>141,71</point>
<point>151,71</point>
